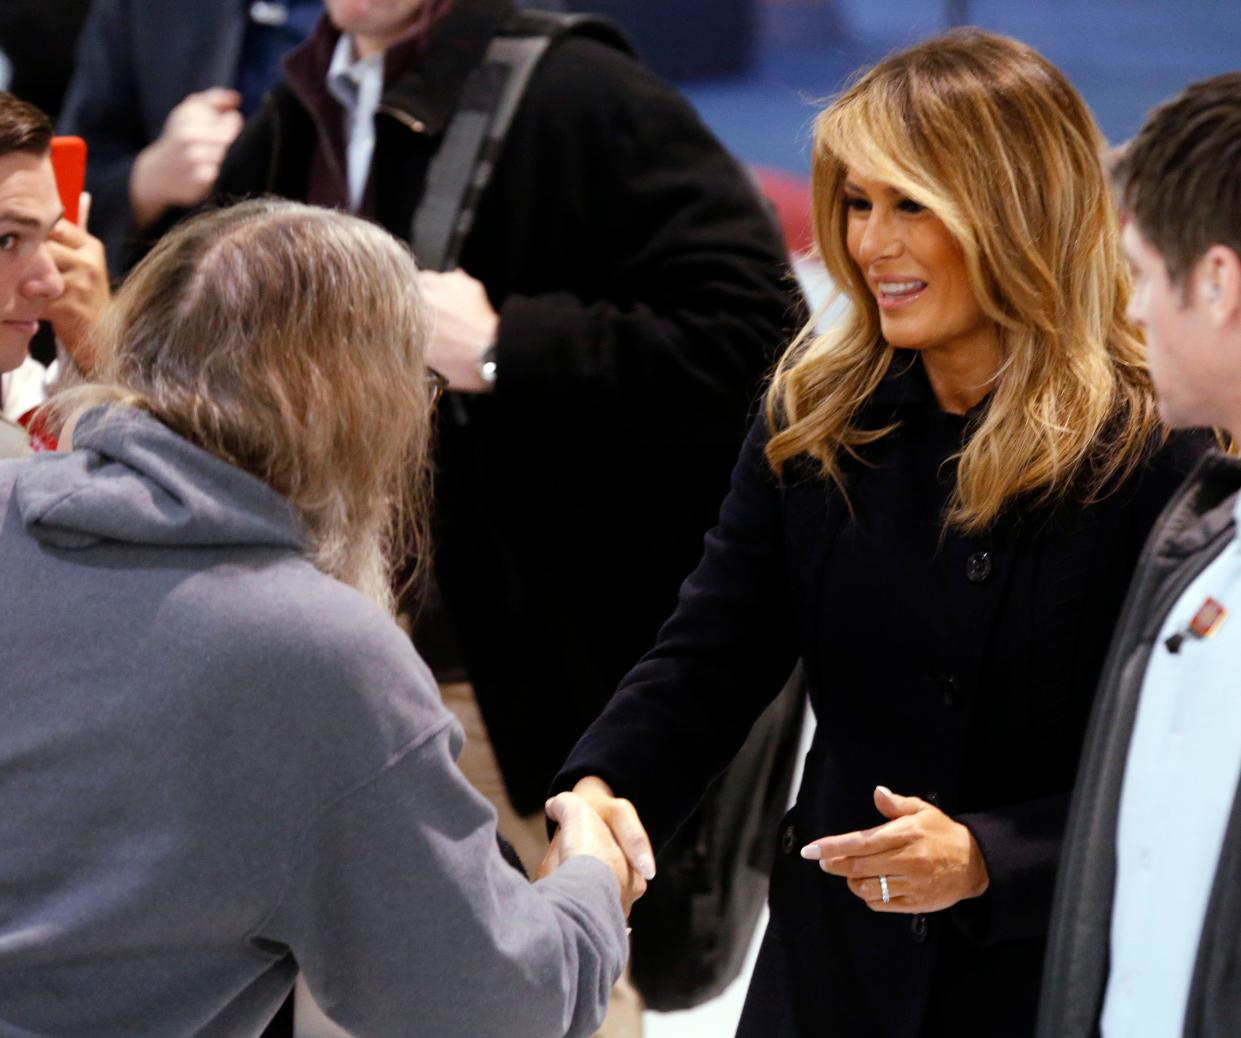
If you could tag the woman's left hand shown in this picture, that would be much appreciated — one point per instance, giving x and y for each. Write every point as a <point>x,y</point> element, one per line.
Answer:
<point>929,861</point>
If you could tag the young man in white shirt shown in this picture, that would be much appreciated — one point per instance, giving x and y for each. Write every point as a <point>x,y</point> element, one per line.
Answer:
<point>1145,929</point>
<point>50,269</point>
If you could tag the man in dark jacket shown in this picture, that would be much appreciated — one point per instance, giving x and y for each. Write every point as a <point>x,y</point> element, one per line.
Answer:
<point>159,92</point>
<point>619,298</point>
<point>1146,934</point>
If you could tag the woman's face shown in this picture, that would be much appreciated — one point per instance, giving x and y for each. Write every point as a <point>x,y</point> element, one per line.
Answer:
<point>916,271</point>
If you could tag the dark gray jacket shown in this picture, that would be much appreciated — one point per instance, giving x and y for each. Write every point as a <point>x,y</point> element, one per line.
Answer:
<point>1196,526</point>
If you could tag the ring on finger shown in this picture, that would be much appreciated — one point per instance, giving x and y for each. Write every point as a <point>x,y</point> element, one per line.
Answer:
<point>884,893</point>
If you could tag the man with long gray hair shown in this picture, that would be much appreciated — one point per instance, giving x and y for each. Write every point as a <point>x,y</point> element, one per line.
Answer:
<point>223,762</point>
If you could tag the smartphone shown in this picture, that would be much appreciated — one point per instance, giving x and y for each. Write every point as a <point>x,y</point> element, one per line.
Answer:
<point>69,165</point>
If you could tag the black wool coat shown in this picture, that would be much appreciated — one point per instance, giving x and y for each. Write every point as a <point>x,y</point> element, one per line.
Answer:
<point>643,292</point>
<point>956,668</point>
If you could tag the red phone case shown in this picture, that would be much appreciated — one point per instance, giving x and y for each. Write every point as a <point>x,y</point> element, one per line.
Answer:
<point>69,164</point>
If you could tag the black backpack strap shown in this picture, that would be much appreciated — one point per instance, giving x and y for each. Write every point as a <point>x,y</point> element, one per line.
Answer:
<point>462,166</point>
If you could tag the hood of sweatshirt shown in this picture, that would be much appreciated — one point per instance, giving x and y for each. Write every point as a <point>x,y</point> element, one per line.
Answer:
<point>131,479</point>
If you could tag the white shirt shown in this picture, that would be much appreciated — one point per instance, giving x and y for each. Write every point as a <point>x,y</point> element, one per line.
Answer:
<point>1180,781</point>
<point>26,387</point>
<point>358,86</point>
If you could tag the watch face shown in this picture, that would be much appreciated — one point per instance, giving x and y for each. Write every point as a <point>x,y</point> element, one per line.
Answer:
<point>487,365</point>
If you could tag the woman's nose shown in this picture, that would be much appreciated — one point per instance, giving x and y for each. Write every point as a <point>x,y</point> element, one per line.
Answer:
<point>880,237</point>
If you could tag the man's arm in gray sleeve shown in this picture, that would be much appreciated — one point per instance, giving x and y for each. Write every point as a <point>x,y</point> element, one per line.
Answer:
<point>399,908</point>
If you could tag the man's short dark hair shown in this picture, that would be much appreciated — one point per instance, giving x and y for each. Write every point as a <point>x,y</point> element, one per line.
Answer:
<point>23,127</point>
<point>1180,177</point>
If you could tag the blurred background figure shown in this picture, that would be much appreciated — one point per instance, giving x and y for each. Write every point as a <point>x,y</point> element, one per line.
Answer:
<point>604,329</point>
<point>37,39</point>
<point>160,91</point>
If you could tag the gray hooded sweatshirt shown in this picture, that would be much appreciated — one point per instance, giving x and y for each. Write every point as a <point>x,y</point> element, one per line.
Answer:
<point>219,766</point>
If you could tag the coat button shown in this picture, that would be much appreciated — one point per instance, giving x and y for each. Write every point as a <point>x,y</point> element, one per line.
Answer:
<point>978,567</point>
<point>918,927</point>
<point>788,839</point>
<point>950,689</point>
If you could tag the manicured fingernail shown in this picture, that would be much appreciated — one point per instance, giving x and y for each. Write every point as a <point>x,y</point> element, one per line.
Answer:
<point>811,852</point>
<point>884,790</point>
<point>646,867</point>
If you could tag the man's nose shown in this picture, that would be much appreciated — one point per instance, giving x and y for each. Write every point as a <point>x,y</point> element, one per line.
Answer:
<point>43,278</point>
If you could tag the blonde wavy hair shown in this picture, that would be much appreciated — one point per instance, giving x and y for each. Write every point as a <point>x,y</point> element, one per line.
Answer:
<point>288,341</point>
<point>988,135</point>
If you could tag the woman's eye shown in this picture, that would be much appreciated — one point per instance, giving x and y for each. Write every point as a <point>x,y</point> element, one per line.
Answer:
<point>860,205</point>
<point>908,205</point>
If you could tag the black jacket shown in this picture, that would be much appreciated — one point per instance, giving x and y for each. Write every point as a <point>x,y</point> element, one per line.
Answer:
<point>642,293</point>
<point>956,668</point>
<point>1196,527</point>
<point>136,61</point>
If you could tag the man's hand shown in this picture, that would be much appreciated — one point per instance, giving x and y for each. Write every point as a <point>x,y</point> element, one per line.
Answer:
<point>80,259</point>
<point>463,326</point>
<point>622,818</point>
<point>179,167</point>
<point>581,831</point>
<point>929,861</point>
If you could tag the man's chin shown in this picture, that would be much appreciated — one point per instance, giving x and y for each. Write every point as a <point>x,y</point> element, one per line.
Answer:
<point>1177,415</point>
<point>14,347</point>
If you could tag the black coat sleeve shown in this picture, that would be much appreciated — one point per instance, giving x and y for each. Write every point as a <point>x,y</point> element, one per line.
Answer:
<point>683,712</point>
<point>1021,843</point>
<point>677,296</point>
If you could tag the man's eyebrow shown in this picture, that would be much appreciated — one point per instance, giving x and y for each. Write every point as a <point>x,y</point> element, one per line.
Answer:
<point>33,222</point>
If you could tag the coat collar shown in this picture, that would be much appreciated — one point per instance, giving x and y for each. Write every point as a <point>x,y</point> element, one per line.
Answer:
<point>904,386</point>
<point>906,391</point>
<point>1204,509</point>
<point>429,88</point>
<point>424,72</point>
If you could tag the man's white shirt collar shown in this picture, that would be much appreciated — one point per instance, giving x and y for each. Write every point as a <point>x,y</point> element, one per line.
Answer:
<point>357,83</point>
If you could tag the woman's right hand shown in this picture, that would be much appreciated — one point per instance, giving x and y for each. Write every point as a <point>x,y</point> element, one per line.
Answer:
<point>622,818</point>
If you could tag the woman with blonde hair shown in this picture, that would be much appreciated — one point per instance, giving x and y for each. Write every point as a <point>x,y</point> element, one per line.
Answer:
<point>938,512</point>
<point>222,762</point>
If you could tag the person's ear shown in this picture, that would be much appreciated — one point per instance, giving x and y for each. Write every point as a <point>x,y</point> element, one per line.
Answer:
<point>1218,280</point>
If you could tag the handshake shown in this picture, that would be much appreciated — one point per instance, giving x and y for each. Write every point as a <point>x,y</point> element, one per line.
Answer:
<point>591,820</point>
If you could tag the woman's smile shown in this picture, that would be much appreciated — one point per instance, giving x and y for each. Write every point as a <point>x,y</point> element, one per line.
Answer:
<point>895,294</point>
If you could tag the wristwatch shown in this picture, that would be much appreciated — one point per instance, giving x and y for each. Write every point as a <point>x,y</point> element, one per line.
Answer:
<point>487,366</point>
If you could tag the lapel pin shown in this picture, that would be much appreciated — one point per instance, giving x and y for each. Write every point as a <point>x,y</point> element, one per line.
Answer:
<point>1207,620</point>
